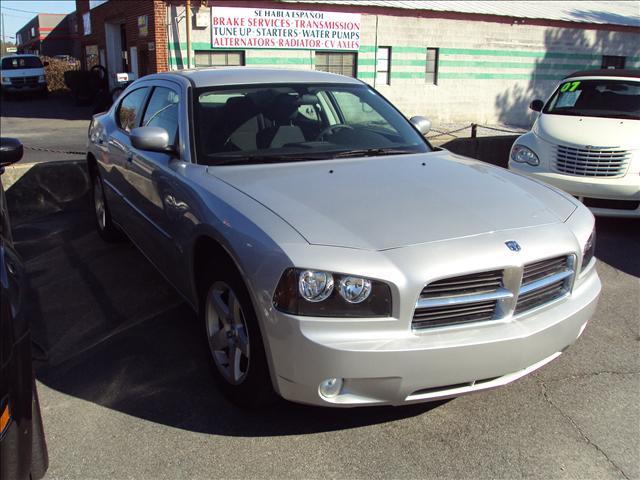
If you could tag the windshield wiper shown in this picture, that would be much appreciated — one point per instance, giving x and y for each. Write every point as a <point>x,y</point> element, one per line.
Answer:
<point>275,158</point>
<point>372,152</point>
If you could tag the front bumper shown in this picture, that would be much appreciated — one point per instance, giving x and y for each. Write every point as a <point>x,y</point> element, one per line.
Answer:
<point>625,188</point>
<point>385,367</point>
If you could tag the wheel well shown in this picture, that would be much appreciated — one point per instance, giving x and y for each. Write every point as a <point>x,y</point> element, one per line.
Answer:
<point>208,252</point>
<point>92,165</point>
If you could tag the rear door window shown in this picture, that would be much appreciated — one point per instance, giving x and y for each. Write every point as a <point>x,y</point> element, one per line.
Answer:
<point>130,108</point>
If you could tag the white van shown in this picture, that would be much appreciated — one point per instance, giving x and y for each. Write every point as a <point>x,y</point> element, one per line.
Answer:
<point>586,141</point>
<point>22,73</point>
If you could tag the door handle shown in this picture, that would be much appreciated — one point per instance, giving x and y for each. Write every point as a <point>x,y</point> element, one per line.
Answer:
<point>129,157</point>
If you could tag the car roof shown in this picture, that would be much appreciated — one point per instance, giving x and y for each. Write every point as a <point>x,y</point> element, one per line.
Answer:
<point>209,77</point>
<point>608,72</point>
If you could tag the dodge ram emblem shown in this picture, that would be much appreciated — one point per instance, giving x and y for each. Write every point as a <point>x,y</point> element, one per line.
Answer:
<point>513,245</point>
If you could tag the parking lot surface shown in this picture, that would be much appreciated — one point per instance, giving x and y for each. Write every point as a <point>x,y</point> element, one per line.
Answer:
<point>125,384</point>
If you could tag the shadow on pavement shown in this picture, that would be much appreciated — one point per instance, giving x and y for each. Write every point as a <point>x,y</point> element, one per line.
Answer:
<point>618,244</point>
<point>117,335</point>
<point>58,106</point>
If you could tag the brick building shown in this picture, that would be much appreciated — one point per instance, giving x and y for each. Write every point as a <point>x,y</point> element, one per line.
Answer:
<point>451,61</point>
<point>48,34</point>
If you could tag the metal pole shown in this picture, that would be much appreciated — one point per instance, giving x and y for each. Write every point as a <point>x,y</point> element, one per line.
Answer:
<point>4,42</point>
<point>474,130</point>
<point>188,17</point>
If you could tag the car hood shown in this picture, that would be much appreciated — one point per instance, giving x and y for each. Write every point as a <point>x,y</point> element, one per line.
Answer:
<point>387,202</point>
<point>583,131</point>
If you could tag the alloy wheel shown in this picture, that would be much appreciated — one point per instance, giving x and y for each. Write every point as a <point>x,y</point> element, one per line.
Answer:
<point>227,333</point>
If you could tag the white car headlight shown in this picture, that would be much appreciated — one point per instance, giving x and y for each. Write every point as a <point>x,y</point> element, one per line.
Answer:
<point>354,289</point>
<point>6,80</point>
<point>315,286</point>
<point>522,154</point>
<point>317,293</point>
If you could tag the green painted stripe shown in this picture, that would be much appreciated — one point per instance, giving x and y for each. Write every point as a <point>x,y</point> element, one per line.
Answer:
<point>529,65</point>
<point>518,53</point>
<point>366,74</point>
<point>496,76</point>
<point>277,61</point>
<point>407,74</point>
<point>367,49</point>
<point>366,61</point>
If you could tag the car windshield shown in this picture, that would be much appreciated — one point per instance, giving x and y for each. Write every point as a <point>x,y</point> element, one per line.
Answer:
<point>596,98</point>
<point>15,63</point>
<point>278,123</point>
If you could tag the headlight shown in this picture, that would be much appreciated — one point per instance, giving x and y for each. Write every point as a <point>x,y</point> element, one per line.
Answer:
<point>315,286</point>
<point>313,293</point>
<point>6,80</point>
<point>522,154</point>
<point>589,250</point>
<point>41,79</point>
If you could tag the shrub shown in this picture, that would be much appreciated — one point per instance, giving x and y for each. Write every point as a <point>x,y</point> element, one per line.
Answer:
<point>54,72</point>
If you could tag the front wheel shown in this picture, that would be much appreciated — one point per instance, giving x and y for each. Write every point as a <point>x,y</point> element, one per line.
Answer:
<point>106,228</point>
<point>235,342</point>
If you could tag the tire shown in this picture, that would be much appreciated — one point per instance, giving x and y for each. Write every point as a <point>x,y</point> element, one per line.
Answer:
<point>39,454</point>
<point>230,325</point>
<point>104,224</point>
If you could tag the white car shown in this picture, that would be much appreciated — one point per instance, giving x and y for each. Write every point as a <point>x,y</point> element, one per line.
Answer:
<point>334,256</point>
<point>23,73</point>
<point>586,141</point>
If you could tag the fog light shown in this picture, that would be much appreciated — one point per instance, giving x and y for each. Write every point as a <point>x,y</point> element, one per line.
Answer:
<point>330,387</point>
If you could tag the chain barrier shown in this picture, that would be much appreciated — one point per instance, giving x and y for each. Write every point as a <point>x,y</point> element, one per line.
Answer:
<point>51,150</point>
<point>473,127</point>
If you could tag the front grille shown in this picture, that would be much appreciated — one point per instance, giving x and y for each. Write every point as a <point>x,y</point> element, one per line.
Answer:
<point>482,296</point>
<point>612,204</point>
<point>543,282</point>
<point>23,80</point>
<point>592,162</point>
<point>458,300</point>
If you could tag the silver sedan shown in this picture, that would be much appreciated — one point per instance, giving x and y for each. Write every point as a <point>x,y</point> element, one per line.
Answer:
<point>333,255</point>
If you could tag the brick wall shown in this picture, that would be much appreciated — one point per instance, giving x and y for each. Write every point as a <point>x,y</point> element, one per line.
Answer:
<point>152,52</point>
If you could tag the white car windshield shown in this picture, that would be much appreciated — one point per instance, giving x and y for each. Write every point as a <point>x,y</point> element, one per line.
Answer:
<point>270,123</point>
<point>18,63</point>
<point>596,98</point>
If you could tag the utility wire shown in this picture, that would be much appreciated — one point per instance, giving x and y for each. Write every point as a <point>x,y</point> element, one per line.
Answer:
<point>18,10</point>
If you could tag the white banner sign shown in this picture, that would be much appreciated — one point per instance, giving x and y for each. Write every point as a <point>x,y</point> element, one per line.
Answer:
<point>269,28</point>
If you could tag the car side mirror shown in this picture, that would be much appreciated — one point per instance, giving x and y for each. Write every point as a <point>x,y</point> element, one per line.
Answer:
<point>421,123</point>
<point>11,151</point>
<point>153,139</point>
<point>46,64</point>
<point>536,105</point>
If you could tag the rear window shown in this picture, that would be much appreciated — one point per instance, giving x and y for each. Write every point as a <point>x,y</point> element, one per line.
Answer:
<point>15,63</point>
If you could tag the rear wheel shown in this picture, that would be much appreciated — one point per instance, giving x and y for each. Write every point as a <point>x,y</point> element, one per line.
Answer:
<point>106,228</point>
<point>237,352</point>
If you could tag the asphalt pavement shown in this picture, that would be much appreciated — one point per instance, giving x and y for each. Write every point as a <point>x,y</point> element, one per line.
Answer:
<point>126,389</point>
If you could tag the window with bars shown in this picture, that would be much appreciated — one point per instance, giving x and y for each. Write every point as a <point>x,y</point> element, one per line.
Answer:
<point>383,66</point>
<point>613,61</point>
<point>219,58</point>
<point>431,74</point>
<point>343,63</point>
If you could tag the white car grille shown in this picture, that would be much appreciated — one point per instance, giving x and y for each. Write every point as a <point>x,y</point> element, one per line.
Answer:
<point>592,162</point>
<point>483,296</point>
